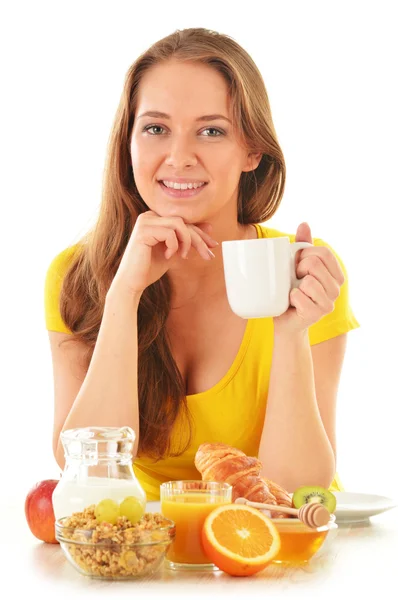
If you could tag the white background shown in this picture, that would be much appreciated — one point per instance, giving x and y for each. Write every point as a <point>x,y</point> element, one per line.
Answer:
<point>330,72</point>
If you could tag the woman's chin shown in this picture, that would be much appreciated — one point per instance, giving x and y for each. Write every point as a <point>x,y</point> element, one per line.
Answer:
<point>188,213</point>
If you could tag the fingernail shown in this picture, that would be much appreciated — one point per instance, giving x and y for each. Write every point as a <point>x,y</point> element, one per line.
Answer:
<point>211,253</point>
<point>216,243</point>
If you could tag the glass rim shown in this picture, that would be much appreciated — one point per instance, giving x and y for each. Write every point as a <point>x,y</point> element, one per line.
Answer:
<point>100,434</point>
<point>96,443</point>
<point>296,525</point>
<point>167,526</point>
<point>215,484</point>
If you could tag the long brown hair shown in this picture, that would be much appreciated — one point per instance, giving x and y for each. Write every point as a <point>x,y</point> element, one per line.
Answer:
<point>161,389</point>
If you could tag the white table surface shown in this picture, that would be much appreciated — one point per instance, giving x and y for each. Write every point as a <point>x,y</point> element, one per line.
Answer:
<point>361,557</point>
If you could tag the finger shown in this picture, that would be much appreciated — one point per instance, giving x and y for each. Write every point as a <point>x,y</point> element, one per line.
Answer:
<point>204,235</point>
<point>154,235</point>
<point>313,266</point>
<point>303,233</point>
<point>181,230</point>
<point>200,245</point>
<point>207,227</point>
<point>316,292</point>
<point>305,307</point>
<point>328,258</point>
<point>171,243</point>
<point>184,238</point>
<point>187,235</point>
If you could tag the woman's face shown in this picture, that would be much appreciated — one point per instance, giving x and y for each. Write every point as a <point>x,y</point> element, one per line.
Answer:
<point>181,145</point>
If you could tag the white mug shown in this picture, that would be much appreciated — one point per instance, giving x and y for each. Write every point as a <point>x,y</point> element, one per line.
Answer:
<point>260,274</point>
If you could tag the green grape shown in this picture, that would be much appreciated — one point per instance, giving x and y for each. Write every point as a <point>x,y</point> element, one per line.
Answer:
<point>107,510</point>
<point>132,508</point>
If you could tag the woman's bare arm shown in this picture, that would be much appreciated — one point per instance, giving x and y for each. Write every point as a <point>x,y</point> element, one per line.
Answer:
<point>106,394</point>
<point>298,439</point>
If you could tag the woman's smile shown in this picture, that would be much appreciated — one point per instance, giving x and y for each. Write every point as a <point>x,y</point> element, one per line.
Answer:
<point>181,193</point>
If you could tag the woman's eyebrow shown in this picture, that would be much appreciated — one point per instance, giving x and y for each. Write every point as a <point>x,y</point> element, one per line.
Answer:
<point>161,115</point>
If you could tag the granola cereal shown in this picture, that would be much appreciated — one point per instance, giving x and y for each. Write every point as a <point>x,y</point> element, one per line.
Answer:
<point>105,550</point>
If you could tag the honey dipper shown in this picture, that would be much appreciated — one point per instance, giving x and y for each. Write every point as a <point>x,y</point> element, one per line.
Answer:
<point>313,515</point>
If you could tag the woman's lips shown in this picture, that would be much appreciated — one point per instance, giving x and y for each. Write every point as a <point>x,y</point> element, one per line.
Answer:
<point>181,193</point>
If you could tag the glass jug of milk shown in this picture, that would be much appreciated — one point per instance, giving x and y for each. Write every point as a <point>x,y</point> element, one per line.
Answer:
<point>98,466</point>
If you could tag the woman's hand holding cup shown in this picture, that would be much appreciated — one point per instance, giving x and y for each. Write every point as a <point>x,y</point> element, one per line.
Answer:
<point>263,279</point>
<point>321,278</point>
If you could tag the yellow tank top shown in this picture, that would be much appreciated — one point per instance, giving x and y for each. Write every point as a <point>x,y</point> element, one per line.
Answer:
<point>233,411</point>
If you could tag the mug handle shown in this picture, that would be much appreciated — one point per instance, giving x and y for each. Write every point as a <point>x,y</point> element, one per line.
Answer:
<point>294,248</point>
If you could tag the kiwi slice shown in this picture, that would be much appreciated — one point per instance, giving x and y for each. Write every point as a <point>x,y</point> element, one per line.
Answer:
<point>314,493</point>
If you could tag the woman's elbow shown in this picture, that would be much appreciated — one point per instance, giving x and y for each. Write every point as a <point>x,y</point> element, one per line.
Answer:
<point>58,454</point>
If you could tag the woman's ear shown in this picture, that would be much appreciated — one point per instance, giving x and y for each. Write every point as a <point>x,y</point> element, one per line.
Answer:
<point>253,160</point>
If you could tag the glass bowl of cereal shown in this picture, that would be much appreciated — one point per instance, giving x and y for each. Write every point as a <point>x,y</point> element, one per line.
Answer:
<point>123,550</point>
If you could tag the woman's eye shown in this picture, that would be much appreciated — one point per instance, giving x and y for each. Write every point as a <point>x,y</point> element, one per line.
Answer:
<point>218,131</point>
<point>152,127</point>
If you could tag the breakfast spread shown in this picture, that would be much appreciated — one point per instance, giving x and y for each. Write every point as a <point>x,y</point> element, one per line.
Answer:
<point>232,519</point>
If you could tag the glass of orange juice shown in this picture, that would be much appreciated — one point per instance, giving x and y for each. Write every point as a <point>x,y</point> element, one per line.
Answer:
<point>188,503</point>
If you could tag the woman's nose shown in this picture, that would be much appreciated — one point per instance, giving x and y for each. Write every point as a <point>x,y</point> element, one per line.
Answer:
<point>180,154</point>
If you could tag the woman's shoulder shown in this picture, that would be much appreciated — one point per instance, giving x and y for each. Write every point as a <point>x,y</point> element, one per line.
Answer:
<point>270,232</point>
<point>53,282</point>
<point>57,269</point>
<point>62,260</point>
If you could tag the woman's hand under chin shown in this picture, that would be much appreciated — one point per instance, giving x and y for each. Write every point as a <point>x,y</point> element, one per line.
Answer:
<point>322,278</point>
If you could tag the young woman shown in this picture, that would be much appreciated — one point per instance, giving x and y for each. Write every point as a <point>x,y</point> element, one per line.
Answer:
<point>140,302</point>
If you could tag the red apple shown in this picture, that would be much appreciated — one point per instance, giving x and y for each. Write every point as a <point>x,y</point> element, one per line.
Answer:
<point>39,511</point>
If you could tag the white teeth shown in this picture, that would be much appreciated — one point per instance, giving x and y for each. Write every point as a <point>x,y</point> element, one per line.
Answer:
<point>183,186</point>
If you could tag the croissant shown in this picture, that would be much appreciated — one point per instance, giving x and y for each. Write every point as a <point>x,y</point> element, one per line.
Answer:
<point>220,462</point>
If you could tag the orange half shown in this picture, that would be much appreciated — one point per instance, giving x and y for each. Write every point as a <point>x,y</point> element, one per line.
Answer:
<point>239,539</point>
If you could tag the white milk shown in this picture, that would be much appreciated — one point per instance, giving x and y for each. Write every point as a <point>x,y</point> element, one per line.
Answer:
<point>74,496</point>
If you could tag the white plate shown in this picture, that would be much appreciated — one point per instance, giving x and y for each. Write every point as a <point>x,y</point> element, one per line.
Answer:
<point>354,507</point>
